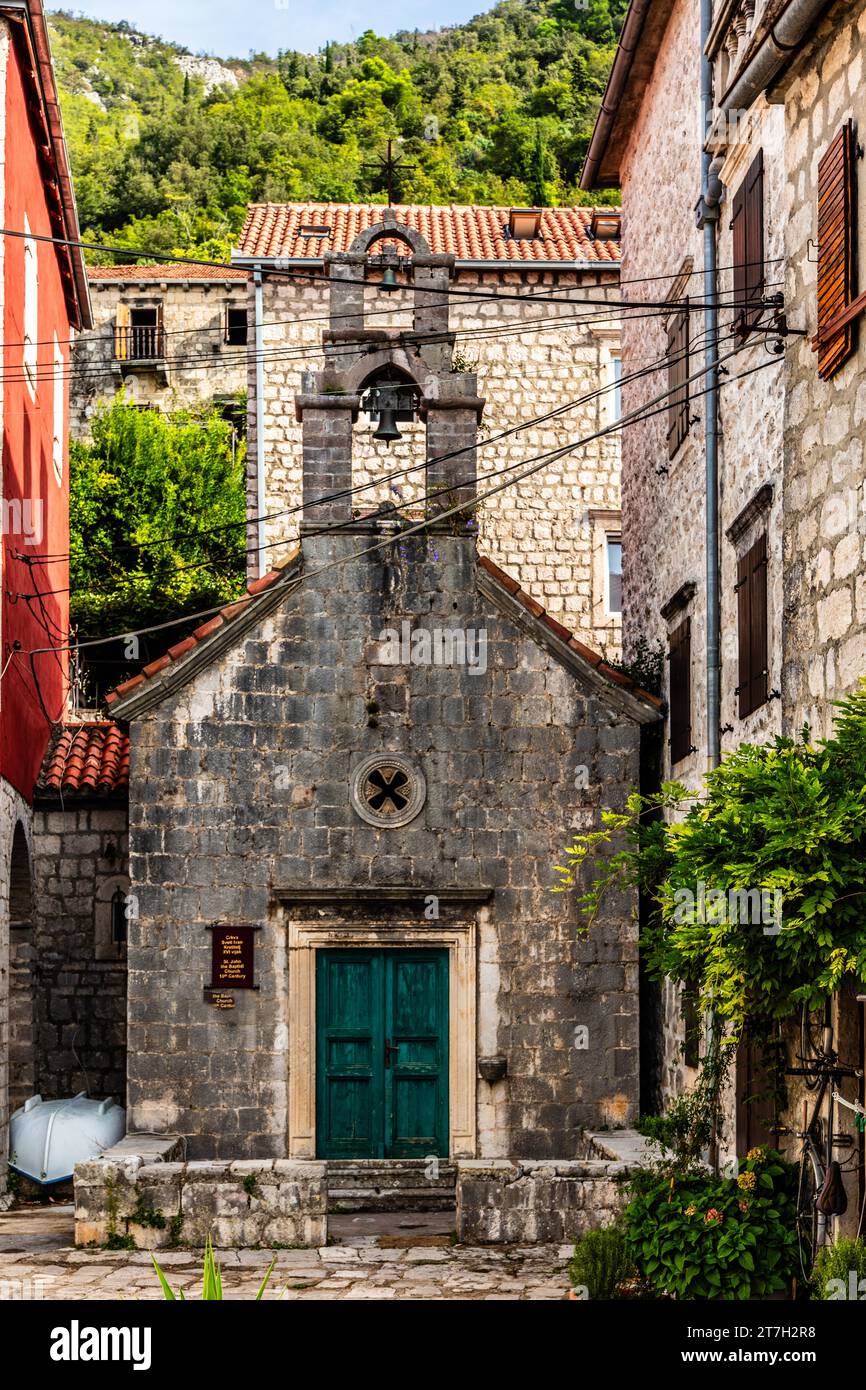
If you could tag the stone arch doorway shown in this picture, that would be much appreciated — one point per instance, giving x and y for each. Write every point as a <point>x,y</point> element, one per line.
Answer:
<point>22,972</point>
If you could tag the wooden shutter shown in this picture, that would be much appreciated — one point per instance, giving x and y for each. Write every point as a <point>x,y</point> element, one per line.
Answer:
<point>680,687</point>
<point>836,249</point>
<point>747,225</point>
<point>159,335</point>
<point>678,385</point>
<point>752,627</point>
<point>121,332</point>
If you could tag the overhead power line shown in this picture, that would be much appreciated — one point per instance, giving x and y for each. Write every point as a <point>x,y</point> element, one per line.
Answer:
<point>645,411</point>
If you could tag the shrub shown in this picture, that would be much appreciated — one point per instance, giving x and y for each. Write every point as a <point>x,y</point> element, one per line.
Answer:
<point>601,1261</point>
<point>697,1236</point>
<point>835,1266</point>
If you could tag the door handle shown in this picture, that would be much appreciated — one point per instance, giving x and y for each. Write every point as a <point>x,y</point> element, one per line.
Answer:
<point>389,1049</point>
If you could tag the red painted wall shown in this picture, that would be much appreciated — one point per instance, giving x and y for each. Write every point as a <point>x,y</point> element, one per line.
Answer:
<point>30,697</point>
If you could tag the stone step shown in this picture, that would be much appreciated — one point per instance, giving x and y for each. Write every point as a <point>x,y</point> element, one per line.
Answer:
<point>389,1185</point>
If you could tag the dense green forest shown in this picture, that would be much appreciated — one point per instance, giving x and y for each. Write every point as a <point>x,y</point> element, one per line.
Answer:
<point>168,150</point>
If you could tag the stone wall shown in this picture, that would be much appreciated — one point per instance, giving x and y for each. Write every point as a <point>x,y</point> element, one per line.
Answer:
<point>664,498</point>
<point>80,856</point>
<point>825,511</point>
<point>136,1191</point>
<point>551,1202</point>
<point>199,363</point>
<point>14,812</point>
<point>540,530</point>
<point>239,794</point>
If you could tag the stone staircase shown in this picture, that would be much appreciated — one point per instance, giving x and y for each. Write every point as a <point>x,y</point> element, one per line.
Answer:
<point>392,1184</point>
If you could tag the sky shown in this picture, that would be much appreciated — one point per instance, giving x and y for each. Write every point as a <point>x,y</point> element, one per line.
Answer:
<point>228,29</point>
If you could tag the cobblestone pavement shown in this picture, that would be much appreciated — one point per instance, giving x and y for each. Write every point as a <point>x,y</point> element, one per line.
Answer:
<point>365,1269</point>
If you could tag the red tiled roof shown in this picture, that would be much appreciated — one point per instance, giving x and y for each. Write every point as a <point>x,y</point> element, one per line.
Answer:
<point>565,634</point>
<point>200,634</point>
<point>469,233</point>
<point>225,615</point>
<point>86,760</point>
<point>169,271</point>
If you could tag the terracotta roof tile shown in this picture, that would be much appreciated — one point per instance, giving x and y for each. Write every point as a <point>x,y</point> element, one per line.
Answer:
<point>469,233</point>
<point>565,635</point>
<point>167,271</point>
<point>204,630</point>
<point>86,760</point>
<point>499,576</point>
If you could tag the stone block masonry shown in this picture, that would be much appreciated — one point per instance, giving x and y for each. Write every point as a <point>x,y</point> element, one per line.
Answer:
<point>539,529</point>
<point>79,860</point>
<point>548,1202</point>
<point>137,1192</point>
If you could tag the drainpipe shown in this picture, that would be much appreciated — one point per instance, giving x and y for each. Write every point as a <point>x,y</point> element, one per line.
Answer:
<point>260,421</point>
<point>707,218</point>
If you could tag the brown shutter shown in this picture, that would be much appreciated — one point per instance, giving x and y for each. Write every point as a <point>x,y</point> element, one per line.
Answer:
<point>159,336</point>
<point>758,608</point>
<point>836,248</point>
<point>680,688</point>
<point>747,225</point>
<point>678,386</point>
<point>744,634</point>
<point>752,627</point>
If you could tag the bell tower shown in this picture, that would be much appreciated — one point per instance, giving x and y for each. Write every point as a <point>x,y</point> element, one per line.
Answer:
<point>400,372</point>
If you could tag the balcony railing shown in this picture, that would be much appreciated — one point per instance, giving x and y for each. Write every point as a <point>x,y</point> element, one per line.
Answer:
<point>139,344</point>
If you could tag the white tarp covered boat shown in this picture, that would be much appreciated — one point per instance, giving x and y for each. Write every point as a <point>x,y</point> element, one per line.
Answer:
<point>48,1137</point>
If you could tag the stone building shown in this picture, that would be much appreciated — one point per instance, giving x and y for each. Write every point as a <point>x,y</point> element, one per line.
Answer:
<point>768,164</point>
<point>363,772</point>
<point>547,366</point>
<point>172,336</point>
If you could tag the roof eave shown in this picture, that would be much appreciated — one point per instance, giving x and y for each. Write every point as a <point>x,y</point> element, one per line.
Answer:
<point>33,14</point>
<point>617,82</point>
<point>301,262</point>
<point>156,688</point>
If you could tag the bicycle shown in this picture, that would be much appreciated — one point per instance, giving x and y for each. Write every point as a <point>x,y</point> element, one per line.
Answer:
<point>821,1070</point>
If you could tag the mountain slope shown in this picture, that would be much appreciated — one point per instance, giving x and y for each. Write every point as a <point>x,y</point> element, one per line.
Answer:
<point>168,148</point>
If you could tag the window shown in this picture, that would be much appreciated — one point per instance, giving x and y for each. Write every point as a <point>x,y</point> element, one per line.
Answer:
<point>613,592</point>
<point>747,225</point>
<point>31,309</point>
<point>57,445</point>
<point>616,372</point>
<point>138,334</point>
<point>236,326</point>
<point>691,1017</point>
<point>680,690</point>
<point>751,591</point>
<point>836,246</point>
<point>678,379</point>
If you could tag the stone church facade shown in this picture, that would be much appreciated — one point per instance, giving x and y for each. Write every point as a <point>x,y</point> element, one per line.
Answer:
<point>373,761</point>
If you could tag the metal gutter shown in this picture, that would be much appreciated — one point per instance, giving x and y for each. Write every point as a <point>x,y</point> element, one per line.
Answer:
<point>619,74</point>
<point>785,35</point>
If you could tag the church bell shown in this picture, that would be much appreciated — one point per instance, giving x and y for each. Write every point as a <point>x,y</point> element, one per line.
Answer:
<point>386,431</point>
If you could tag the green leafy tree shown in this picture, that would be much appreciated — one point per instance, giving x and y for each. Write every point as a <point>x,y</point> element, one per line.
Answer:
<point>156,518</point>
<point>159,164</point>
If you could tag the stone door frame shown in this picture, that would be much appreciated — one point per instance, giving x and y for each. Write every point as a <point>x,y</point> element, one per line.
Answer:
<point>460,940</point>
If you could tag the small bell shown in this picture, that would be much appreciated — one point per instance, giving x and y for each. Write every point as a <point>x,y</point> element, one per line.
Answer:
<point>387,430</point>
<point>389,280</point>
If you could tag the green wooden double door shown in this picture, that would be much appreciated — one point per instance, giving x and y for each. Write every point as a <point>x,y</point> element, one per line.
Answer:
<point>381,1053</point>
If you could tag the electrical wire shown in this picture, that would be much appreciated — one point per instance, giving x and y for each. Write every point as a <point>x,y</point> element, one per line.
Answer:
<point>656,364</point>
<point>635,417</point>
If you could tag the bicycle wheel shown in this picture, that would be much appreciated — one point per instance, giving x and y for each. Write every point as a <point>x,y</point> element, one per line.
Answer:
<point>808,1216</point>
